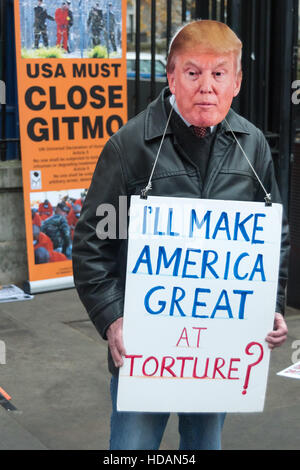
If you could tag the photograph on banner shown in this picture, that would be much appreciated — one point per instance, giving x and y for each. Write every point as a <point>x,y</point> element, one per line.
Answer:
<point>206,276</point>
<point>71,29</point>
<point>54,218</point>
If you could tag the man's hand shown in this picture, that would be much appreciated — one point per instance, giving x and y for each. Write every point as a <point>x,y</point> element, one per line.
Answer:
<point>279,334</point>
<point>115,341</point>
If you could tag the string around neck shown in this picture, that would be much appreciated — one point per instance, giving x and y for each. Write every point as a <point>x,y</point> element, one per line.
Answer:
<point>268,197</point>
<point>149,185</point>
<point>144,192</point>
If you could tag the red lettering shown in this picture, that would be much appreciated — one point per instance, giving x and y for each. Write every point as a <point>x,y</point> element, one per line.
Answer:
<point>232,369</point>
<point>144,366</point>
<point>198,339</point>
<point>183,359</point>
<point>185,337</point>
<point>167,367</point>
<point>151,364</point>
<point>204,376</point>
<point>217,367</point>
<point>132,357</point>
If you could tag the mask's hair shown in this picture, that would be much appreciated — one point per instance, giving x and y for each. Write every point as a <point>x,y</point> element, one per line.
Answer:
<point>213,36</point>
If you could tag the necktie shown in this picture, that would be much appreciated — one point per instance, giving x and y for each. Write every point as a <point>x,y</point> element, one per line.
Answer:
<point>200,131</point>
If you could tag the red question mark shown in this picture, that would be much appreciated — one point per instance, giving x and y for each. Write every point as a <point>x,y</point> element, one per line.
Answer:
<point>247,350</point>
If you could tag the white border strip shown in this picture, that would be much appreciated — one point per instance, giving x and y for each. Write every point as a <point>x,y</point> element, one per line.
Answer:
<point>47,285</point>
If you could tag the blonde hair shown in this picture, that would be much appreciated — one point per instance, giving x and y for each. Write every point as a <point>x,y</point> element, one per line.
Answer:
<point>213,36</point>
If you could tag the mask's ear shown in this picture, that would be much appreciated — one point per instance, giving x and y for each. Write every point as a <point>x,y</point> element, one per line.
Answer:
<point>171,80</point>
<point>238,84</point>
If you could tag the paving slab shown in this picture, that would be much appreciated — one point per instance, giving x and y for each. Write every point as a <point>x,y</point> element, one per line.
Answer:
<point>14,436</point>
<point>56,374</point>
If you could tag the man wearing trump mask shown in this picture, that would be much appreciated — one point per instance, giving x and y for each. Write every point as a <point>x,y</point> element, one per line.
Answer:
<point>199,158</point>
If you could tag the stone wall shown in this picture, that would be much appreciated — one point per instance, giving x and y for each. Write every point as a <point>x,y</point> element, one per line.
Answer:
<point>13,253</point>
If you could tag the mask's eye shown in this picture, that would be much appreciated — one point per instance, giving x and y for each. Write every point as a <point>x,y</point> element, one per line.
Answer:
<point>191,74</point>
<point>219,74</point>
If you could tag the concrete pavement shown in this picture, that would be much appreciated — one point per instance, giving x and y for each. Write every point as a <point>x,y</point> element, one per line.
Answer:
<point>56,375</point>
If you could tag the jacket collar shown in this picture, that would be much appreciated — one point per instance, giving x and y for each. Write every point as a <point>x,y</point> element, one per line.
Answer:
<point>156,119</point>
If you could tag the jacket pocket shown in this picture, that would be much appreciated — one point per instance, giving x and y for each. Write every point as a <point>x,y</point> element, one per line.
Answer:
<point>234,185</point>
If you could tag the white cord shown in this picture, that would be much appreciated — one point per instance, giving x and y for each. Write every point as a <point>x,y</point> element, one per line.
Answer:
<point>149,185</point>
<point>144,191</point>
<point>268,198</point>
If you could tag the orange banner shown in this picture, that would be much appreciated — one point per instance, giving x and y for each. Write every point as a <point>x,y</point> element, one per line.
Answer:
<point>71,66</point>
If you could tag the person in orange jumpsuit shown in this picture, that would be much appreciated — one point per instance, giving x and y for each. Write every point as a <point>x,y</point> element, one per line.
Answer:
<point>45,209</point>
<point>56,256</point>
<point>73,217</point>
<point>36,220</point>
<point>62,21</point>
<point>41,240</point>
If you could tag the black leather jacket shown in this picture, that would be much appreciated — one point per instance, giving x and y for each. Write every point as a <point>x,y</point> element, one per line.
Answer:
<point>124,168</point>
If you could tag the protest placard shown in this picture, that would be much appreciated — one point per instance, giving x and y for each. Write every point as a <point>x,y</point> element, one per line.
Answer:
<point>200,299</point>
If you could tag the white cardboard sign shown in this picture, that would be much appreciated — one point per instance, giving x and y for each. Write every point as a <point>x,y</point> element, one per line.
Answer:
<point>200,299</point>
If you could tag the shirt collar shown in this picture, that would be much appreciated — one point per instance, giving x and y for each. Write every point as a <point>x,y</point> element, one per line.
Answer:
<point>175,107</point>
